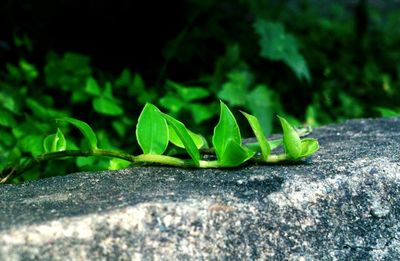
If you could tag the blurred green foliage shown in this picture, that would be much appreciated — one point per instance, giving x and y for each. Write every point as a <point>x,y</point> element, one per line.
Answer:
<point>312,64</point>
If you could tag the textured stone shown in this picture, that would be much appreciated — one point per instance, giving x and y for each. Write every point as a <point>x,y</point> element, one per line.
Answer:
<point>342,204</point>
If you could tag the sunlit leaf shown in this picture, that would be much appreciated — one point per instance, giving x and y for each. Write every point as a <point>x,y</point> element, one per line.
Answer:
<point>308,147</point>
<point>234,154</point>
<point>227,140</point>
<point>55,142</point>
<point>152,130</point>
<point>227,129</point>
<point>291,140</point>
<point>85,129</point>
<point>48,143</point>
<point>197,138</point>
<point>185,138</point>
<point>258,131</point>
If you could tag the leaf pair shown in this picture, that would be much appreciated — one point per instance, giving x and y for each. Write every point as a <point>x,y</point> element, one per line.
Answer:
<point>155,130</point>
<point>294,146</point>
<point>228,142</point>
<point>57,140</point>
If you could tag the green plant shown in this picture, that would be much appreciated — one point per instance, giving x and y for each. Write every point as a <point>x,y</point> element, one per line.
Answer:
<point>155,130</point>
<point>254,55</point>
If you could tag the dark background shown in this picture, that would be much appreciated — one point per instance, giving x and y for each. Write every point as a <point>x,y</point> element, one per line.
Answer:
<point>115,34</point>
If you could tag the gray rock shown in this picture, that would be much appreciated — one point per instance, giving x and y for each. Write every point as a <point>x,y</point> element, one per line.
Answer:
<point>342,204</point>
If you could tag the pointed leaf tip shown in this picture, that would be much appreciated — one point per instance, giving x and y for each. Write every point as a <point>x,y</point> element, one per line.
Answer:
<point>185,138</point>
<point>291,139</point>
<point>152,130</point>
<point>258,131</point>
<point>85,129</point>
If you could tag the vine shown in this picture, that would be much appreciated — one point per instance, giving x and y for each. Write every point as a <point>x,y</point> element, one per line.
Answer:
<point>155,130</point>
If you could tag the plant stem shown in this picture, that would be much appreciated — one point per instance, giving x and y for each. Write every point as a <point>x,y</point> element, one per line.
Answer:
<point>18,171</point>
<point>272,158</point>
<point>162,159</point>
<point>143,158</point>
<point>205,164</point>
<point>277,158</point>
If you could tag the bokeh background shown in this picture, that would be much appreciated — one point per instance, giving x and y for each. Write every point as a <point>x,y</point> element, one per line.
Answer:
<point>314,62</point>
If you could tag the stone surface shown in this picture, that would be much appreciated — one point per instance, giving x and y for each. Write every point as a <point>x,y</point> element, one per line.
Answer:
<point>342,204</point>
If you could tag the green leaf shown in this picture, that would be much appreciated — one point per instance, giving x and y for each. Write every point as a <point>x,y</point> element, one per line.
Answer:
<point>77,63</point>
<point>42,111</point>
<point>55,142</point>
<point>275,143</point>
<point>92,87</point>
<point>107,106</point>
<point>152,130</point>
<point>29,69</point>
<point>255,146</point>
<point>291,140</point>
<point>85,129</point>
<point>7,119</point>
<point>236,88</point>
<point>226,131</point>
<point>172,103</point>
<point>197,138</point>
<point>308,147</point>
<point>263,103</point>
<point>386,112</point>
<point>6,138</point>
<point>185,138</point>
<point>85,162</point>
<point>278,45</point>
<point>258,131</point>
<point>202,112</point>
<point>188,93</point>
<point>137,85</point>
<point>235,154</point>
<point>9,102</point>
<point>108,91</point>
<point>119,127</point>
<point>124,79</point>
<point>116,164</point>
<point>32,144</point>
